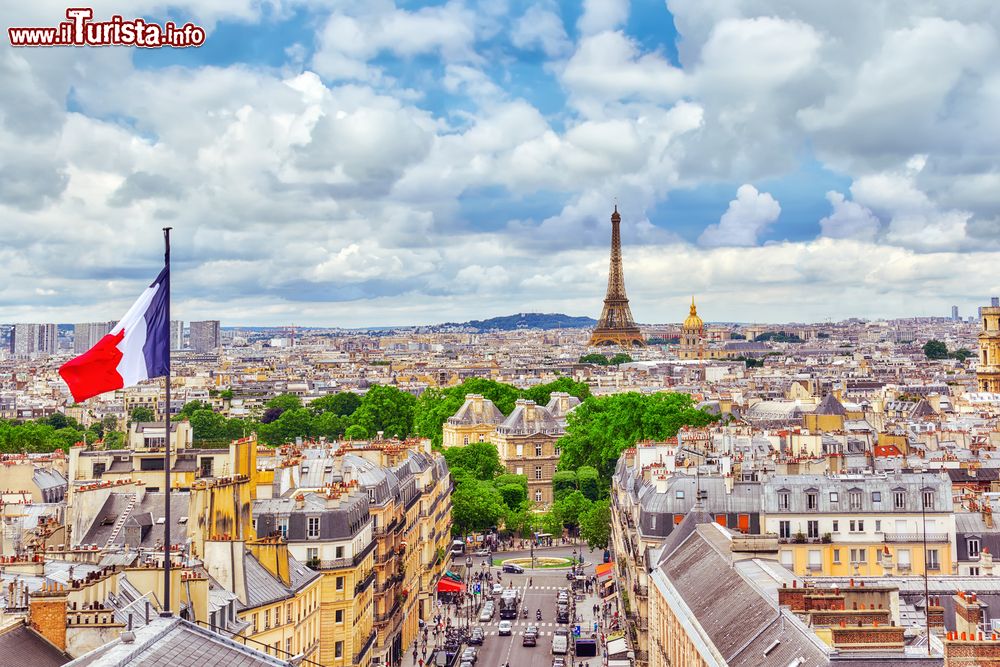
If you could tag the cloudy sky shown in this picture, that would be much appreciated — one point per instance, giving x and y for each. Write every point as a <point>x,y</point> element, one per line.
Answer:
<point>345,163</point>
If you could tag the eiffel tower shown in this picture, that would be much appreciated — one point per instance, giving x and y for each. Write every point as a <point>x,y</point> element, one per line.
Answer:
<point>616,326</point>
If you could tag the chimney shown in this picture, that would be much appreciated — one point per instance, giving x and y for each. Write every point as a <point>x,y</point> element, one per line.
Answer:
<point>986,562</point>
<point>887,563</point>
<point>968,613</point>
<point>272,553</point>
<point>47,613</point>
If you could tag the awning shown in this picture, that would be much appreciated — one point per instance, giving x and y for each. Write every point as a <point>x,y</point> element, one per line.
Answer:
<point>448,586</point>
<point>451,575</point>
<point>605,569</point>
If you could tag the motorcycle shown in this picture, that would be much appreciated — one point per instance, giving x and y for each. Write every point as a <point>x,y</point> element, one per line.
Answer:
<point>524,612</point>
<point>538,614</point>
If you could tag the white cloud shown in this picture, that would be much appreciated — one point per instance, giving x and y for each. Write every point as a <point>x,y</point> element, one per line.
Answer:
<point>849,220</point>
<point>609,67</point>
<point>601,15</point>
<point>747,216</point>
<point>541,27</point>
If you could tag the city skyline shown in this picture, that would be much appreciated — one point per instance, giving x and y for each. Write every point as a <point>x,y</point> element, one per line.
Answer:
<point>390,166</point>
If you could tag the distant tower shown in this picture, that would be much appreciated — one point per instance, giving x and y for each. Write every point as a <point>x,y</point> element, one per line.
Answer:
<point>988,372</point>
<point>692,335</point>
<point>954,313</point>
<point>616,326</point>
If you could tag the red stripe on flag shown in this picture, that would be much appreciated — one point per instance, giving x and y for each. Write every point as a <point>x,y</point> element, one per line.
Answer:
<point>96,370</point>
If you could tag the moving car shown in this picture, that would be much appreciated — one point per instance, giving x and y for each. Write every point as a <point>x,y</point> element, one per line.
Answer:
<point>529,638</point>
<point>469,655</point>
<point>483,552</point>
<point>513,568</point>
<point>505,628</point>
<point>476,637</point>
<point>486,614</point>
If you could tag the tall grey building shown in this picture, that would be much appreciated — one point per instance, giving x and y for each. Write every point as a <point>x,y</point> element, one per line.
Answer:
<point>995,302</point>
<point>176,334</point>
<point>954,313</point>
<point>86,334</point>
<point>28,340</point>
<point>205,336</point>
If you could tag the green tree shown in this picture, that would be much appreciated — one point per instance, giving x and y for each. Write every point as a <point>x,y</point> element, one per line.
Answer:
<point>589,482</point>
<point>386,409</point>
<point>191,407</point>
<point>355,432</point>
<point>521,521</point>
<point>342,404</point>
<point>292,424</point>
<point>935,349</point>
<point>563,484</point>
<point>435,405</point>
<point>140,415</point>
<point>511,478</point>
<point>570,508</point>
<point>284,402</point>
<point>602,427</point>
<point>541,394</point>
<point>550,523</point>
<point>594,358</point>
<point>514,495</point>
<point>226,394</point>
<point>962,354</point>
<point>595,525</point>
<point>476,505</point>
<point>330,425</point>
<point>208,425</point>
<point>480,459</point>
<point>620,358</point>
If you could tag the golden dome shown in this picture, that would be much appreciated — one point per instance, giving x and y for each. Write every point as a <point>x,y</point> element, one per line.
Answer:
<point>693,321</point>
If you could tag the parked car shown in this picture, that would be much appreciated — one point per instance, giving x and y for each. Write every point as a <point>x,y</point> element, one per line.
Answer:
<point>505,628</point>
<point>476,636</point>
<point>469,655</point>
<point>513,568</point>
<point>497,589</point>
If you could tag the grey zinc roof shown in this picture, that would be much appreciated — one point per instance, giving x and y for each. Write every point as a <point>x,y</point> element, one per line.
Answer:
<point>262,586</point>
<point>528,419</point>
<point>468,415</point>
<point>830,406</point>
<point>171,642</point>
<point>737,618</point>
<point>20,646</point>
<point>48,478</point>
<point>912,484</point>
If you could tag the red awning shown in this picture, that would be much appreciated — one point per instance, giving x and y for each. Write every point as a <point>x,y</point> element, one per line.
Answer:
<point>446,585</point>
<point>605,569</point>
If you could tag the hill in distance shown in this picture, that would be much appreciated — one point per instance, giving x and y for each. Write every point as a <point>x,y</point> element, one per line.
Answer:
<point>527,321</point>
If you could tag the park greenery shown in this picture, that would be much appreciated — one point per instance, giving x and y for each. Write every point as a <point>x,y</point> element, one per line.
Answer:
<point>601,360</point>
<point>778,337</point>
<point>56,431</point>
<point>935,349</point>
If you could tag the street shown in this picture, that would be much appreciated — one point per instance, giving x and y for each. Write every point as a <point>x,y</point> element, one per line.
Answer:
<point>545,584</point>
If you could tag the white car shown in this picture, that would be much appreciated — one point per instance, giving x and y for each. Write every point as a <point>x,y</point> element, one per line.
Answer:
<point>497,589</point>
<point>486,614</point>
<point>505,628</point>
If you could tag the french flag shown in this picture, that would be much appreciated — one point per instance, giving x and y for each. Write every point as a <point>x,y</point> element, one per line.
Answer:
<point>137,349</point>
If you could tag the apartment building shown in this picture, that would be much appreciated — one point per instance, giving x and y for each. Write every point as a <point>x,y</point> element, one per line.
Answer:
<point>205,336</point>
<point>87,334</point>
<point>864,525</point>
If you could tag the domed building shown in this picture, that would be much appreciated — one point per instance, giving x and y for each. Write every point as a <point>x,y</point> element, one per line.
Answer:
<point>692,335</point>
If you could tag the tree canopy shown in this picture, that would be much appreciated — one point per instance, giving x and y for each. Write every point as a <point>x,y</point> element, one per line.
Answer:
<point>601,428</point>
<point>595,524</point>
<point>935,349</point>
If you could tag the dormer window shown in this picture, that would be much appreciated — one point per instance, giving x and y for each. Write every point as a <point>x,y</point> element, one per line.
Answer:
<point>899,499</point>
<point>854,499</point>
<point>812,499</point>
<point>928,498</point>
<point>784,500</point>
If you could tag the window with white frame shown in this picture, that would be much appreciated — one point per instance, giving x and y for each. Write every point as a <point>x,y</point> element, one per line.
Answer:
<point>899,500</point>
<point>538,472</point>
<point>538,450</point>
<point>538,495</point>
<point>854,500</point>
<point>283,526</point>
<point>312,527</point>
<point>928,498</point>
<point>784,500</point>
<point>973,548</point>
<point>834,497</point>
<point>785,529</point>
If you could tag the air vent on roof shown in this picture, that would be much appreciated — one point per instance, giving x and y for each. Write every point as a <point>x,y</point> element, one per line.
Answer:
<point>161,521</point>
<point>183,519</point>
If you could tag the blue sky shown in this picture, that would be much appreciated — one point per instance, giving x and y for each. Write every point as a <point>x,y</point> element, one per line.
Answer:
<point>374,163</point>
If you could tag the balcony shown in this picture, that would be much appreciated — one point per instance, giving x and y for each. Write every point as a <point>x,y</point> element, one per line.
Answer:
<point>341,563</point>
<point>915,537</point>
<point>362,585</point>
<point>387,616</point>
<point>390,582</point>
<point>641,591</point>
<point>379,531</point>
<point>359,656</point>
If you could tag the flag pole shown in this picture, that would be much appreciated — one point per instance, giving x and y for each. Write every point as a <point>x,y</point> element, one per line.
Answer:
<point>166,451</point>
